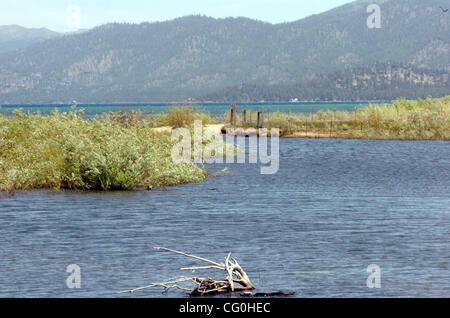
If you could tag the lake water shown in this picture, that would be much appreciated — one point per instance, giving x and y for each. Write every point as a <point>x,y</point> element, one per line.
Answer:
<point>213,109</point>
<point>334,207</point>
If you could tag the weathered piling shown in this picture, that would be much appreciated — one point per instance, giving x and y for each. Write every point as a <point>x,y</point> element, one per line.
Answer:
<point>261,117</point>
<point>245,114</point>
<point>289,120</point>
<point>233,115</point>
<point>306,127</point>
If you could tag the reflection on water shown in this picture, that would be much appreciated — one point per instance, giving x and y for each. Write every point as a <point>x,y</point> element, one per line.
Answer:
<point>334,207</point>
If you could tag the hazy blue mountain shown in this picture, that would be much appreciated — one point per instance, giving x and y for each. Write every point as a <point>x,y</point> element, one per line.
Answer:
<point>197,56</point>
<point>13,37</point>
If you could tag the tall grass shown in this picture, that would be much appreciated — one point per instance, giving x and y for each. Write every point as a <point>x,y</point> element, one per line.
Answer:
<point>182,116</point>
<point>64,151</point>
<point>403,119</point>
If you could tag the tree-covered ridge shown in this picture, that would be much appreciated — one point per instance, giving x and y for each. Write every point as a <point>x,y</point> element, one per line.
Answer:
<point>197,56</point>
<point>383,81</point>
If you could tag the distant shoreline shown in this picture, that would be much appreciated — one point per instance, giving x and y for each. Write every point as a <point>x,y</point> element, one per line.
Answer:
<point>196,103</point>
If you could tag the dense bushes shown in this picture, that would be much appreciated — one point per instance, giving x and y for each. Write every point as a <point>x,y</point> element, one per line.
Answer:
<point>64,151</point>
<point>182,116</point>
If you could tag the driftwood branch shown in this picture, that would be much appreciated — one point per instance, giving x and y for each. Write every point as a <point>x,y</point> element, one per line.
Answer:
<point>188,255</point>
<point>278,293</point>
<point>236,280</point>
<point>199,268</point>
<point>167,285</point>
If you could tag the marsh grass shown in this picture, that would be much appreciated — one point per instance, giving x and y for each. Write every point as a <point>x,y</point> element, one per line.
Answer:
<point>65,151</point>
<point>119,151</point>
<point>403,119</point>
<point>412,120</point>
<point>183,116</point>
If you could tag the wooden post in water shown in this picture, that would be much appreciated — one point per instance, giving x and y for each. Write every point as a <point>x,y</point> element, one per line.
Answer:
<point>289,120</point>
<point>333,120</point>
<point>331,125</point>
<point>261,117</point>
<point>306,127</point>
<point>334,116</point>
<point>233,115</point>
<point>245,114</point>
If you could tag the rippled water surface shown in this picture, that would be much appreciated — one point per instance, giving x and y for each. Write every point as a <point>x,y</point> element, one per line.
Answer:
<point>334,207</point>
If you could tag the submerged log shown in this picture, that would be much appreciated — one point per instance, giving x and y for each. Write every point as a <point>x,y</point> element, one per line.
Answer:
<point>267,294</point>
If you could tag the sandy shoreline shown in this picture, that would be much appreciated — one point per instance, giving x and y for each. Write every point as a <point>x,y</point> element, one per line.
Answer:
<point>168,129</point>
<point>219,128</point>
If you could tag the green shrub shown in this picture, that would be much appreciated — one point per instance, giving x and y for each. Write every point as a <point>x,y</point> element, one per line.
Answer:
<point>183,116</point>
<point>64,151</point>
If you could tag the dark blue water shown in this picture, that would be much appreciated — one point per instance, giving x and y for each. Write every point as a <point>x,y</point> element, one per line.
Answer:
<point>334,207</point>
<point>214,109</point>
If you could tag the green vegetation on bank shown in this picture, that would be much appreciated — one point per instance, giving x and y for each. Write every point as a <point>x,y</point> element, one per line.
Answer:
<point>182,116</point>
<point>65,151</point>
<point>410,120</point>
<point>123,150</point>
<point>174,117</point>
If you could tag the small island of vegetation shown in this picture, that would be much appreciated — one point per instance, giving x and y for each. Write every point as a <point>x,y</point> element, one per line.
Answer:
<point>125,150</point>
<point>402,120</point>
<point>112,152</point>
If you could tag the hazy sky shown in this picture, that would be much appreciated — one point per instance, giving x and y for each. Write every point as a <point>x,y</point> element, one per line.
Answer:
<point>59,15</point>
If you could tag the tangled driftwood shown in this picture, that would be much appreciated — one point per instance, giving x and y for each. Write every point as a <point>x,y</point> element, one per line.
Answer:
<point>236,280</point>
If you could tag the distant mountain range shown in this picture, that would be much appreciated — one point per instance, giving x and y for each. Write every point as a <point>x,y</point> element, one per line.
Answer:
<point>14,37</point>
<point>333,55</point>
